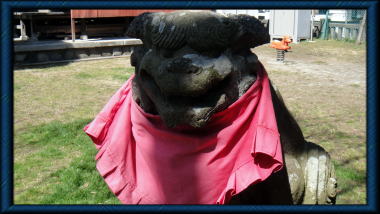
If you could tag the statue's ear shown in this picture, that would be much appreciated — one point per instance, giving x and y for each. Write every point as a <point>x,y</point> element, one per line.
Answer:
<point>251,33</point>
<point>138,27</point>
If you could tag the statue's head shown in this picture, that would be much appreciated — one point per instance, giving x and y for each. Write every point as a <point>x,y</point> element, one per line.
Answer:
<point>193,64</point>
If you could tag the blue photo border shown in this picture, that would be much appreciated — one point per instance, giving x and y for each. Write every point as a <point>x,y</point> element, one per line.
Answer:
<point>7,101</point>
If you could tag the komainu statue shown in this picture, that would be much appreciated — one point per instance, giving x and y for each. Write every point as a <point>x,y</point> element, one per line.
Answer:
<point>200,122</point>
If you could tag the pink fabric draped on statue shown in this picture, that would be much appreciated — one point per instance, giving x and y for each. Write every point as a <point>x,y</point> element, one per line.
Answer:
<point>144,162</point>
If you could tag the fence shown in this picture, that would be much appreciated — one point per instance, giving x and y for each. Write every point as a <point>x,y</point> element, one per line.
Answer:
<point>354,29</point>
<point>338,31</point>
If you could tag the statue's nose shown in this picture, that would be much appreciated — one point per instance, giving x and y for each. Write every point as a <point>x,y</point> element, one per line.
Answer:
<point>182,65</point>
<point>191,75</point>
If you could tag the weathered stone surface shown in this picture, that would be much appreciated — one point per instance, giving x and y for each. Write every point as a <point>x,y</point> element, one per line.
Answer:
<point>194,64</point>
<point>42,57</point>
<point>126,50</point>
<point>68,44</point>
<point>106,53</point>
<point>116,51</point>
<point>20,57</point>
<point>69,54</point>
<point>94,52</point>
<point>81,54</point>
<point>56,56</point>
<point>320,176</point>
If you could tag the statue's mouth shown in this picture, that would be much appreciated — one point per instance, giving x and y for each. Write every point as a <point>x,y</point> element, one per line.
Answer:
<point>178,103</point>
<point>180,88</point>
<point>190,88</point>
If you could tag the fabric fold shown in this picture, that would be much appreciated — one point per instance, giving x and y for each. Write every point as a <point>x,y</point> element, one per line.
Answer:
<point>143,162</point>
<point>268,160</point>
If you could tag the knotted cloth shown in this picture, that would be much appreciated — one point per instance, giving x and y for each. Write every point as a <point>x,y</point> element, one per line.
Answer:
<point>144,162</point>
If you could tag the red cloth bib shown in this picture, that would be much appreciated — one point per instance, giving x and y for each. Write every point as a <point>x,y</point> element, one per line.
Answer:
<point>144,162</point>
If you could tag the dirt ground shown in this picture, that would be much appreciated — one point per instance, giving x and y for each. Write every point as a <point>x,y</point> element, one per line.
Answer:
<point>323,84</point>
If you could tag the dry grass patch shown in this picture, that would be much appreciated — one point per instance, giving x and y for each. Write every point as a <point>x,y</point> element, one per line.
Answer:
<point>324,86</point>
<point>51,106</point>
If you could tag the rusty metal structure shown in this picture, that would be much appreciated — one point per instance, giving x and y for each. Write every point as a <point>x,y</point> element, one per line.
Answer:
<point>48,36</point>
<point>85,14</point>
<point>65,24</point>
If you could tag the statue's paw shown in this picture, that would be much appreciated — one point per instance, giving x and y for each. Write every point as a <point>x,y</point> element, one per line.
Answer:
<point>331,190</point>
<point>320,180</point>
<point>295,174</point>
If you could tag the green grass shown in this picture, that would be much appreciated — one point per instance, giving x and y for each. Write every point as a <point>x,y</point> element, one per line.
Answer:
<point>66,92</point>
<point>78,183</point>
<point>350,183</point>
<point>54,158</point>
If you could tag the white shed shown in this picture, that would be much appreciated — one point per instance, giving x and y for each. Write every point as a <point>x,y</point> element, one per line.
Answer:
<point>293,23</point>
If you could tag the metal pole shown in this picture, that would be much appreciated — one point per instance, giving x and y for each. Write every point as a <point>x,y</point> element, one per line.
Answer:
<point>325,27</point>
<point>72,26</point>
<point>312,25</point>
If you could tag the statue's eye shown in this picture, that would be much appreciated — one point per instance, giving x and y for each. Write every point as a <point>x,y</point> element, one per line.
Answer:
<point>226,22</point>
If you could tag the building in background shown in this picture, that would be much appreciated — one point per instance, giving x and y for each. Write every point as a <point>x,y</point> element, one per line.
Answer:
<point>293,23</point>
<point>307,24</point>
<point>342,24</point>
<point>345,16</point>
<point>47,24</point>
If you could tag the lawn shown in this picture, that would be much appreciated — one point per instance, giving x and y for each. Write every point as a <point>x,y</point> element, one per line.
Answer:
<point>54,158</point>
